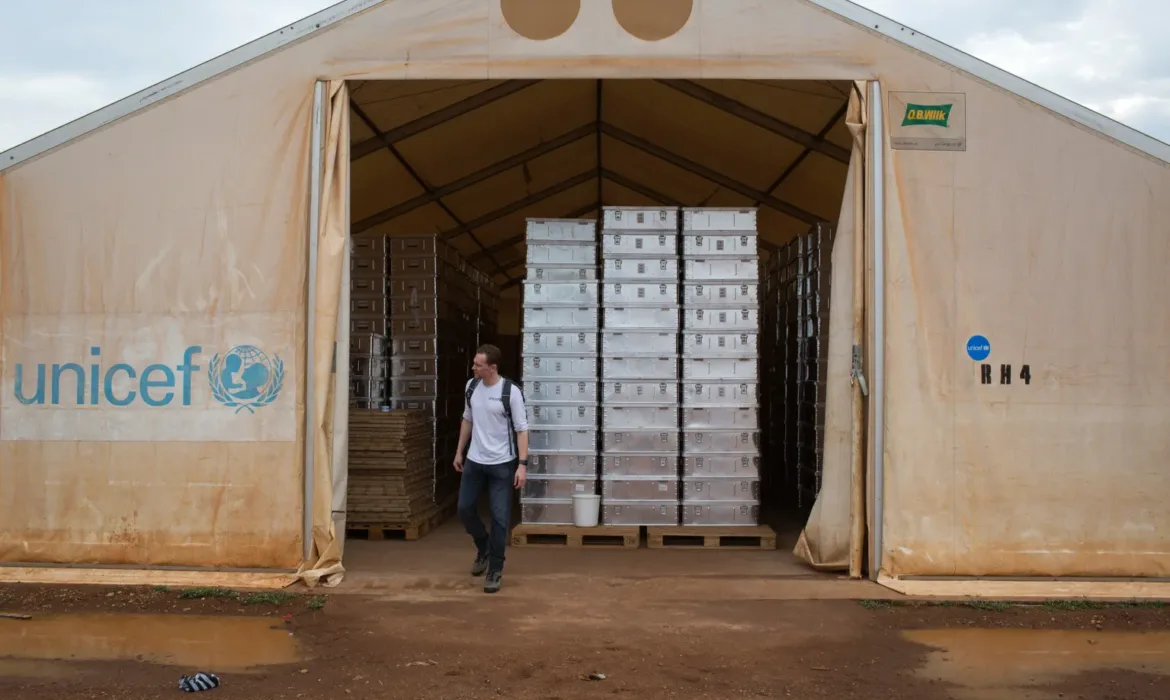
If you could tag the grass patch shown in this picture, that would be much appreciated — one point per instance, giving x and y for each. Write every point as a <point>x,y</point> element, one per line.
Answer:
<point>207,592</point>
<point>1078,605</point>
<point>268,598</point>
<point>317,602</point>
<point>880,604</point>
<point>988,605</point>
<point>160,589</point>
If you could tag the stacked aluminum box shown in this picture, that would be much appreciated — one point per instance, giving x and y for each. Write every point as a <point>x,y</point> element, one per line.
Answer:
<point>369,371</point>
<point>720,367</point>
<point>639,367</point>
<point>559,361</point>
<point>434,308</point>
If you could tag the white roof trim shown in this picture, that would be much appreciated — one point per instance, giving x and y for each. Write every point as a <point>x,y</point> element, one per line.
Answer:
<point>345,9</point>
<point>1000,78</point>
<point>186,80</point>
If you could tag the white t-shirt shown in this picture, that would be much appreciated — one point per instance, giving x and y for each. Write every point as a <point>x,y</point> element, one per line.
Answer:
<point>491,436</point>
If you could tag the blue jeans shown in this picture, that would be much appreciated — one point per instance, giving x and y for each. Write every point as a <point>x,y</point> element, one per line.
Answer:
<point>498,478</point>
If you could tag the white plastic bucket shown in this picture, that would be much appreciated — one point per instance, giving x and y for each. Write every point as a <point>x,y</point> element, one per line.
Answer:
<point>586,509</point>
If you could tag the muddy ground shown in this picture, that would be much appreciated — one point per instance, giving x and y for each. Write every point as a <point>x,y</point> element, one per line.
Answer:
<point>591,645</point>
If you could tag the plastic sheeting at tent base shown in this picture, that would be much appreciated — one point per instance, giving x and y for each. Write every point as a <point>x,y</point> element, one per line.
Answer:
<point>1024,227</point>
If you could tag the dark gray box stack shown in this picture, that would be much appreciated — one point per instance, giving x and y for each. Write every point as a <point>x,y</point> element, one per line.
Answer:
<point>369,369</point>
<point>720,367</point>
<point>434,330</point>
<point>639,366</point>
<point>559,367</point>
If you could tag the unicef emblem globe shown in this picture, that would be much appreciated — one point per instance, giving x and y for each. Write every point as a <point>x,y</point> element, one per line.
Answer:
<point>245,378</point>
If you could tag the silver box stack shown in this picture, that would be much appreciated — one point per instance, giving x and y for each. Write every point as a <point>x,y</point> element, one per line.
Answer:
<point>369,369</point>
<point>558,350</point>
<point>720,367</point>
<point>639,366</point>
<point>434,328</point>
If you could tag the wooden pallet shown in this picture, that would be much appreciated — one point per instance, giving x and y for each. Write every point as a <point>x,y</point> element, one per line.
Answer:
<point>711,537</point>
<point>396,531</point>
<point>600,537</point>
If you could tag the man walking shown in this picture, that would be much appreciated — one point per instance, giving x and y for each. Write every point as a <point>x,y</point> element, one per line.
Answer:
<point>495,424</point>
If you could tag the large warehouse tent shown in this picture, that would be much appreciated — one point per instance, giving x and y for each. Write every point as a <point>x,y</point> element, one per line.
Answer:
<point>996,389</point>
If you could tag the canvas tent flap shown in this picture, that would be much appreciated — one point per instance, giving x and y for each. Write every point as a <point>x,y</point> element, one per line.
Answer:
<point>824,542</point>
<point>324,563</point>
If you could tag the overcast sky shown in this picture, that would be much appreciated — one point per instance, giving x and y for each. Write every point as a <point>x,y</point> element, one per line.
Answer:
<point>60,59</point>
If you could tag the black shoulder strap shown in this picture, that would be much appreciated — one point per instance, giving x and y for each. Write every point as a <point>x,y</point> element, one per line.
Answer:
<point>471,390</point>
<point>506,399</point>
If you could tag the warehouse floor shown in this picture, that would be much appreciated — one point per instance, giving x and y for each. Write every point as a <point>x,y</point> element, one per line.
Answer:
<point>440,561</point>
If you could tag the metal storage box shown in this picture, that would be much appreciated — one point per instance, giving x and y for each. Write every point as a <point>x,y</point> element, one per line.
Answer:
<point>721,269</point>
<point>558,367</point>
<point>725,488</point>
<point>560,318</point>
<point>640,269</point>
<point>562,273</point>
<point>700,344</point>
<point>741,319</point>
<point>562,293</point>
<point>368,287</point>
<point>367,344</point>
<point>721,417</point>
<point>639,368</point>
<point>368,326</point>
<point>559,343</point>
<point>712,513</point>
<point>718,219</point>
<point>542,487</point>
<point>651,244</point>
<point>640,441</point>
<point>409,367</point>
<point>367,267</point>
<point>624,293</point>
<point>648,416</point>
<point>563,463</point>
<point>639,343</point>
<point>708,465</point>
<point>566,254</point>
<point>719,393</point>
<point>431,406</point>
<point>655,393</point>
<point>402,347</point>
<point>647,464</point>
<point>567,439</point>
<point>703,244</point>
<point>577,230</point>
<point>404,267</point>
<point>639,512</point>
<point>701,441</point>
<point>721,293</point>
<point>641,318</point>
<point>424,327</point>
<point>547,511</point>
<point>640,218</point>
<point>373,247</point>
<point>366,389</point>
<point>622,488</point>
<point>574,415</point>
<point>560,391</point>
<point>721,368</point>
<point>416,246</point>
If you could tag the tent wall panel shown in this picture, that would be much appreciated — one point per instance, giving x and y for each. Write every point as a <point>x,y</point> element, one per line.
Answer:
<point>189,218</point>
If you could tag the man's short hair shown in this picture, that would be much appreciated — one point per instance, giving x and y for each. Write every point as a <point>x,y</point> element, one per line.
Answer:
<point>490,353</point>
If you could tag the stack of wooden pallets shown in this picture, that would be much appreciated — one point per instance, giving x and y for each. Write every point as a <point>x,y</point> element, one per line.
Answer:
<point>391,468</point>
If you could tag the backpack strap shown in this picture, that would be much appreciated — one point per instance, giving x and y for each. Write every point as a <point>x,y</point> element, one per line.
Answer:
<point>471,390</point>
<point>506,399</point>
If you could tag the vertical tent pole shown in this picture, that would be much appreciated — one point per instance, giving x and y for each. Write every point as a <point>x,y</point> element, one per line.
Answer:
<point>878,405</point>
<point>315,140</point>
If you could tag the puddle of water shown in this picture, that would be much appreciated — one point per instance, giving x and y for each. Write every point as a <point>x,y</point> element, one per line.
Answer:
<point>206,643</point>
<point>1003,664</point>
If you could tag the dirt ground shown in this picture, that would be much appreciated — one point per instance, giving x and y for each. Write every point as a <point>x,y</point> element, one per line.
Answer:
<point>580,645</point>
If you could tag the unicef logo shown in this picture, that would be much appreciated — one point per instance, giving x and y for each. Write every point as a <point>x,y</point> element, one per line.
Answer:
<point>245,378</point>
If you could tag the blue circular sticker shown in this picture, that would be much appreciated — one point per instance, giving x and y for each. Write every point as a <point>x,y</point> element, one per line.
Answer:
<point>978,348</point>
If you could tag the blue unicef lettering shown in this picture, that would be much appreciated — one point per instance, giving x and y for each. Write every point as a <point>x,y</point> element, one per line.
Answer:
<point>245,378</point>
<point>978,348</point>
<point>155,384</point>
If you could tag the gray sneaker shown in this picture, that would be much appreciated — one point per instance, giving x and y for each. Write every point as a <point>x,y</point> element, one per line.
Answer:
<point>492,583</point>
<point>480,565</point>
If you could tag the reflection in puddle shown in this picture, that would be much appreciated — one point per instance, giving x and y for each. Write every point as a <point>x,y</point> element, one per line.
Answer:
<point>1003,664</point>
<point>211,643</point>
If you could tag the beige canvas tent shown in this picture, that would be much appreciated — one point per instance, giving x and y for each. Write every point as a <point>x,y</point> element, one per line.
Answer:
<point>1001,249</point>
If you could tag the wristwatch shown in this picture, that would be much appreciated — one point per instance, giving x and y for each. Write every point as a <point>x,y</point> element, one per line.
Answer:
<point>523,462</point>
